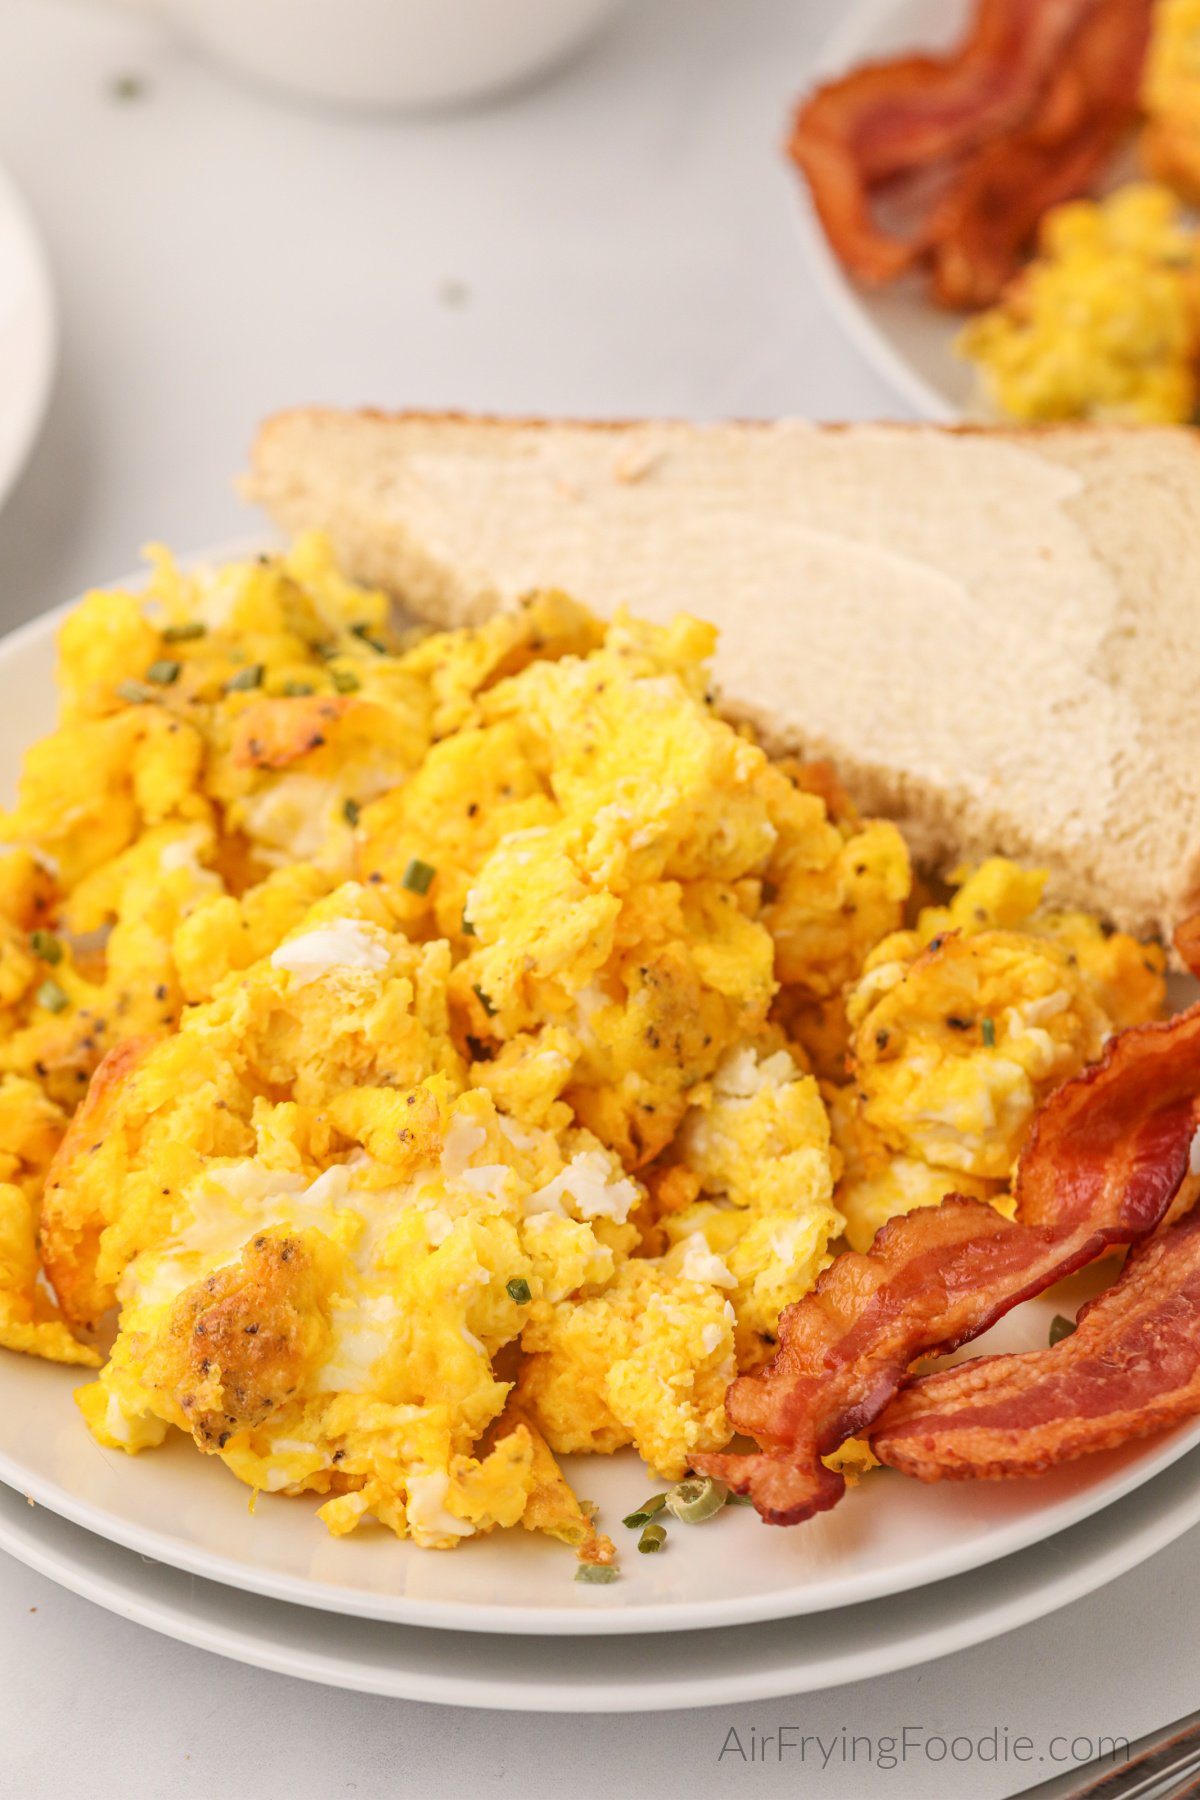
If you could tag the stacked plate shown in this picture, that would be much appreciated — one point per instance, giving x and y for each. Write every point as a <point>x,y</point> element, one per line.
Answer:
<point>730,1610</point>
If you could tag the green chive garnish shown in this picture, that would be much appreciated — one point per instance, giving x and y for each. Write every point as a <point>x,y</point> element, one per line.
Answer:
<point>468,930</point>
<point>249,677</point>
<point>738,1500</point>
<point>45,945</point>
<point>136,692</point>
<point>597,1573</point>
<point>1060,1328</point>
<point>988,1029</point>
<point>345,681</point>
<point>485,1000</point>
<point>52,997</point>
<point>294,689</point>
<point>183,634</point>
<point>163,672</point>
<point>645,1511</point>
<point>417,876</point>
<point>350,811</point>
<point>652,1538</point>
<point>518,1291</point>
<point>362,631</point>
<point>697,1499</point>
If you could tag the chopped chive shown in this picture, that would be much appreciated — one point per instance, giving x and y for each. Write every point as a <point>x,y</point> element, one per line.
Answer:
<point>136,692</point>
<point>351,811</point>
<point>485,1000</point>
<point>417,876</point>
<point>362,632</point>
<point>163,672</point>
<point>696,1499</point>
<point>597,1573</point>
<point>468,930</point>
<point>1060,1328</point>
<point>294,689</point>
<point>345,681</point>
<point>183,634</point>
<point>249,677</point>
<point>45,945</point>
<point>738,1500</point>
<point>652,1538</point>
<point>645,1512</point>
<point>518,1291</point>
<point>988,1029</point>
<point>52,997</point>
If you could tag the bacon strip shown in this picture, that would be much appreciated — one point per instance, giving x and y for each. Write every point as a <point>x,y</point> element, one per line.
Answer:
<point>1131,1368</point>
<point>1020,115</point>
<point>1107,1156</point>
<point>989,213</point>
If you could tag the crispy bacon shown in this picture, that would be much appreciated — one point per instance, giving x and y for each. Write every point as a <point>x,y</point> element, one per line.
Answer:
<point>1132,1367</point>
<point>989,213</point>
<point>1107,1156</point>
<point>1019,116</point>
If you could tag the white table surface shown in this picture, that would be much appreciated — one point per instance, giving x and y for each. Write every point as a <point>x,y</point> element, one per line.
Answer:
<point>617,241</point>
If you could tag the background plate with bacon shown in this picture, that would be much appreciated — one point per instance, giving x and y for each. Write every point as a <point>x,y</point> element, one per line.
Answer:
<point>905,337</point>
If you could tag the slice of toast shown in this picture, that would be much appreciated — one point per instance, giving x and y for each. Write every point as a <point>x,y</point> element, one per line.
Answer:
<point>995,634</point>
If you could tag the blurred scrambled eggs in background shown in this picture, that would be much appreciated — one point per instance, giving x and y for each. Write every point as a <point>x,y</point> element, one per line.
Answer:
<point>448,1052</point>
<point>1104,323</point>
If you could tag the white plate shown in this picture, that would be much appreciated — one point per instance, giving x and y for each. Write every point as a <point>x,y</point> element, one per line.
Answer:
<point>28,334</point>
<point>890,1535</point>
<point>898,329</point>
<point>628,1674</point>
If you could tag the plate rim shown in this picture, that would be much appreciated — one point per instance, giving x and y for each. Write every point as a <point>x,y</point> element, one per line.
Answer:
<point>649,1619</point>
<point>310,1657</point>
<point>848,43</point>
<point>652,1617</point>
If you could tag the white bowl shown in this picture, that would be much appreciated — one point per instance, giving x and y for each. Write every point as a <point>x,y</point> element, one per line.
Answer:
<point>388,53</point>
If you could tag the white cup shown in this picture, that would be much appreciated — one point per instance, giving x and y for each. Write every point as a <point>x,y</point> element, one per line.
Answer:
<point>387,53</point>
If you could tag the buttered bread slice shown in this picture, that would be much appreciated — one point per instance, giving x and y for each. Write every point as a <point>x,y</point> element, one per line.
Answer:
<point>996,634</point>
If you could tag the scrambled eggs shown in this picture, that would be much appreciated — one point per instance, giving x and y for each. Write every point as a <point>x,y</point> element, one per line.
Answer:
<point>960,1029</point>
<point>1105,322</point>
<point>1170,144</point>
<point>433,1052</point>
